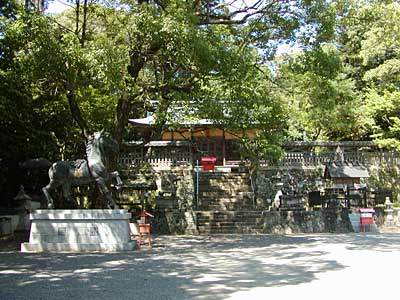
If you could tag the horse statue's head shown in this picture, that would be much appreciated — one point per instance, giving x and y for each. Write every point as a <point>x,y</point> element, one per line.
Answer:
<point>101,146</point>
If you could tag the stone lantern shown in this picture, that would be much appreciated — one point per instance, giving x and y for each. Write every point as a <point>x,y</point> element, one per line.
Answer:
<point>24,206</point>
<point>23,199</point>
<point>389,220</point>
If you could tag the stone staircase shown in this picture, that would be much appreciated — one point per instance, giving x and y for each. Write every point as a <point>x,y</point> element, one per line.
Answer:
<point>225,204</point>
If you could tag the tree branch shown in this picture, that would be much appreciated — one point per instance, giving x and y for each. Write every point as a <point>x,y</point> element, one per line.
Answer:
<point>229,19</point>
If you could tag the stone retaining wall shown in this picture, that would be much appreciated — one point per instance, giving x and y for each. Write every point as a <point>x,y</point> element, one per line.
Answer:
<point>175,212</point>
<point>300,181</point>
<point>174,204</point>
<point>300,221</point>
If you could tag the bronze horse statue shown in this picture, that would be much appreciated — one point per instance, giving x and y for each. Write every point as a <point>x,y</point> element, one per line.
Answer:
<point>99,149</point>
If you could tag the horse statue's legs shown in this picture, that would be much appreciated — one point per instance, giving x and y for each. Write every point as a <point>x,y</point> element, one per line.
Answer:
<point>66,188</point>
<point>118,186</point>
<point>106,193</point>
<point>65,191</point>
<point>46,191</point>
<point>115,175</point>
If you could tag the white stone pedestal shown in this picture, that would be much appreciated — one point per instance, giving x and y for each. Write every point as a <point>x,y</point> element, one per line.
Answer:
<point>79,230</point>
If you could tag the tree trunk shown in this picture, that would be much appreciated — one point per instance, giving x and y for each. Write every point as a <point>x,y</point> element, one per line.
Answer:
<point>76,113</point>
<point>84,23</point>
<point>121,118</point>
<point>77,8</point>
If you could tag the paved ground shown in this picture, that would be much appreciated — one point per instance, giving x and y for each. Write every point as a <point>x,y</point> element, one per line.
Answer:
<point>359,266</point>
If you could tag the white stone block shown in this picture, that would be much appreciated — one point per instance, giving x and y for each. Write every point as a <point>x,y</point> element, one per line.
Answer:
<point>79,230</point>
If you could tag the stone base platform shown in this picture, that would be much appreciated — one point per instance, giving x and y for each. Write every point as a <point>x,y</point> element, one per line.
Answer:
<point>105,230</point>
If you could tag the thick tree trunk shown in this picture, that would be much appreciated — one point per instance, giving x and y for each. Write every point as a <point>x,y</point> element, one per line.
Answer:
<point>84,23</point>
<point>76,113</point>
<point>121,118</point>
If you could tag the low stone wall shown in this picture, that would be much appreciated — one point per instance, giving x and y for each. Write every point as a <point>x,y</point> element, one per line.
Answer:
<point>175,221</point>
<point>175,208</point>
<point>299,180</point>
<point>11,223</point>
<point>168,221</point>
<point>298,221</point>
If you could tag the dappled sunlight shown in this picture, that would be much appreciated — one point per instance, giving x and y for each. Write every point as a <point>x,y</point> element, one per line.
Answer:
<point>87,271</point>
<point>199,267</point>
<point>9,272</point>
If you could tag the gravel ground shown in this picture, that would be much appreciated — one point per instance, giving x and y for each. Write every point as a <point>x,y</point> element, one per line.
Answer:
<point>359,266</point>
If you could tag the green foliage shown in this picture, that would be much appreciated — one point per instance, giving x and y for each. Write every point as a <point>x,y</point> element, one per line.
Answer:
<point>348,89</point>
<point>386,177</point>
<point>379,55</point>
<point>95,67</point>
<point>324,103</point>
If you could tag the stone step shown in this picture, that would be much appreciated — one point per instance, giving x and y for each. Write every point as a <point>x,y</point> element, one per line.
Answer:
<point>221,178</point>
<point>216,200</point>
<point>229,226</point>
<point>249,220</point>
<point>231,199</point>
<point>222,175</point>
<point>223,194</point>
<point>236,204</point>
<point>230,212</point>
<point>234,223</point>
<point>225,178</point>
<point>254,222</point>
<point>230,221</point>
<point>224,187</point>
<point>230,230</point>
<point>227,205</point>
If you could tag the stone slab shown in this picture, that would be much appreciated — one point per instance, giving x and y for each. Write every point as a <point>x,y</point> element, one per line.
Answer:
<point>75,247</point>
<point>79,230</point>
<point>79,214</point>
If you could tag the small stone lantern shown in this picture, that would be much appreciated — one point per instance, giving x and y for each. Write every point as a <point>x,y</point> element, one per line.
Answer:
<point>22,198</point>
<point>389,220</point>
<point>388,203</point>
<point>24,205</point>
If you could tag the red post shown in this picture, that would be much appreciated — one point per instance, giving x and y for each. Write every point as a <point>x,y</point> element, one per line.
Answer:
<point>144,228</point>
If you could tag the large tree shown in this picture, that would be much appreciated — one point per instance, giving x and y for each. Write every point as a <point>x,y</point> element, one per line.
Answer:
<point>71,72</point>
<point>380,54</point>
<point>174,50</point>
<point>324,101</point>
<point>368,41</point>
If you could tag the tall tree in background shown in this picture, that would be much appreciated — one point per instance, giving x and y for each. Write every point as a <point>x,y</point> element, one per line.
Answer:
<point>322,98</point>
<point>175,47</point>
<point>380,56</point>
<point>368,41</point>
<point>102,62</point>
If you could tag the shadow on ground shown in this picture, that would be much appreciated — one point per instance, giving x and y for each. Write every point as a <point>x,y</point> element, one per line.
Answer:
<point>206,267</point>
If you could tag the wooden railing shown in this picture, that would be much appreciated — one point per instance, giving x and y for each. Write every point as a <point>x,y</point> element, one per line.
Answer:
<point>160,158</point>
<point>166,157</point>
<point>308,159</point>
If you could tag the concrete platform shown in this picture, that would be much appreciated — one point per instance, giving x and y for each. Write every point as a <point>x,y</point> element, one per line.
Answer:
<point>79,231</point>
